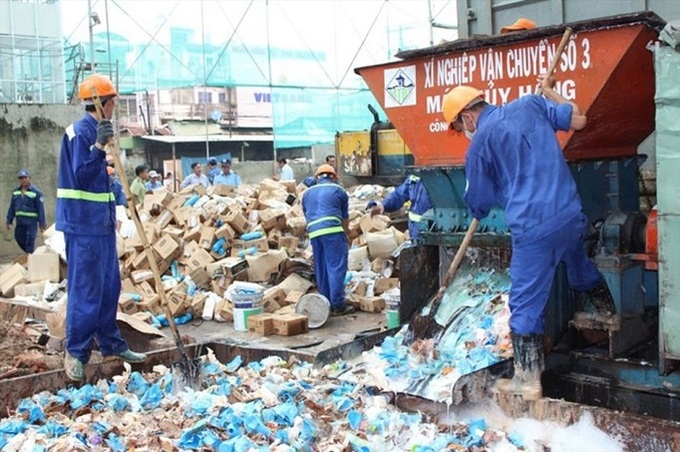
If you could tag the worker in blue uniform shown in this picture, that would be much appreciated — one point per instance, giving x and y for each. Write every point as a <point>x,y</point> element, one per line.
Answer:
<point>28,207</point>
<point>116,187</point>
<point>213,169</point>
<point>227,176</point>
<point>413,190</point>
<point>86,215</point>
<point>515,161</point>
<point>326,209</point>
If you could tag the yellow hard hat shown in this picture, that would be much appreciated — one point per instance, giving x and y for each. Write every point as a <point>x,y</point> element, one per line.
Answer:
<point>102,85</point>
<point>457,99</point>
<point>325,169</point>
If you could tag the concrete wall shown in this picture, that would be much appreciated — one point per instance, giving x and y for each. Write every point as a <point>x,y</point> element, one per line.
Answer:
<point>30,137</point>
<point>255,172</point>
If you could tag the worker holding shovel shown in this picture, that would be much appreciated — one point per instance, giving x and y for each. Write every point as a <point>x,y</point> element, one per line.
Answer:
<point>86,215</point>
<point>514,161</point>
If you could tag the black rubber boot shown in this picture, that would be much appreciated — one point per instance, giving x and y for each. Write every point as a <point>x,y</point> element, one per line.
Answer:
<point>601,298</point>
<point>529,364</point>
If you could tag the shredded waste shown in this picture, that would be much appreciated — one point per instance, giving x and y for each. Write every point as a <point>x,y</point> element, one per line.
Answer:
<point>477,335</point>
<point>270,405</point>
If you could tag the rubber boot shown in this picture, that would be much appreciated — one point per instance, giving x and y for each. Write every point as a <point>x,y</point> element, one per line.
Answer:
<point>529,364</point>
<point>601,299</point>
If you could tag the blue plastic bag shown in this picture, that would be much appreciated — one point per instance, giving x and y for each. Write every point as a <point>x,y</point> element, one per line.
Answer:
<point>34,411</point>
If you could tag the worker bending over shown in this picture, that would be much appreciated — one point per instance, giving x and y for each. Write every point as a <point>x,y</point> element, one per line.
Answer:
<point>28,207</point>
<point>413,190</point>
<point>326,209</point>
<point>86,215</point>
<point>515,161</point>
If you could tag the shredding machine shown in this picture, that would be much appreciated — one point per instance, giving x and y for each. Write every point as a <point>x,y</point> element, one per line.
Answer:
<point>608,68</point>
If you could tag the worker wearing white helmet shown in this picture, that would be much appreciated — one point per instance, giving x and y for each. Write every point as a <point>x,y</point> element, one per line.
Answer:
<point>86,214</point>
<point>515,161</point>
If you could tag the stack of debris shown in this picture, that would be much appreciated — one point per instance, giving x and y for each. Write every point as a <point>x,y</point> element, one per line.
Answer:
<point>204,241</point>
<point>270,405</point>
<point>266,405</point>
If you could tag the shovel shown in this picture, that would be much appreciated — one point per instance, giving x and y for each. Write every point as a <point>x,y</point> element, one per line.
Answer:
<point>425,326</point>
<point>188,367</point>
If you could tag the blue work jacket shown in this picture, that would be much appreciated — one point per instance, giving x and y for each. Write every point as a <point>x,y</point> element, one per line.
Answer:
<point>85,203</point>
<point>227,179</point>
<point>412,189</point>
<point>515,161</point>
<point>325,205</point>
<point>27,208</point>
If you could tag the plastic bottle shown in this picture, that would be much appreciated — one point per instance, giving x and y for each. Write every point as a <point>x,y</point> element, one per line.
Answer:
<point>208,309</point>
<point>248,252</point>
<point>252,235</point>
<point>184,318</point>
<point>134,296</point>
<point>348,278</point>
<point>191,201</point>
<point>218,246</point>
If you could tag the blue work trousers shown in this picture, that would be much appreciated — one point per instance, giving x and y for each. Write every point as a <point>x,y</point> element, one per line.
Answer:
<point>93,291</point>
<point>25,235</point>
<point>330,267</point>
<point>532,271</point>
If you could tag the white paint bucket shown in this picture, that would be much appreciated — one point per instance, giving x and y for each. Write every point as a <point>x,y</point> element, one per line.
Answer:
<point>241,317</point>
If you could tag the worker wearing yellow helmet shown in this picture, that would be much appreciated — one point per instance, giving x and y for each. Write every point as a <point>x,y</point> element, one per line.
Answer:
<point>515,161</point>
<point>86,215</point>
<point>326,209</point>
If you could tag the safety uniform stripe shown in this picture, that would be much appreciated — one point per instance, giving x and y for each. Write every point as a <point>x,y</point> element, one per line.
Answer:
<point>26,214</point>
<point>322,219</point>
<point>326,231</point>
<point>68,193</point>
<point>29,194</point>
<point>414,217</point>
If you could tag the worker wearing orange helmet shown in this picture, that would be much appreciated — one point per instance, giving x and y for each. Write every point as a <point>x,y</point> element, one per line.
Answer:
<point>326,209</point>
<point>87,217</point>
<point>515,161</point>
<point>521,24</point>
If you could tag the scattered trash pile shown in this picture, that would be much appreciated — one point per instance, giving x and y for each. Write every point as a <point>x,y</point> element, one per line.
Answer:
<point>475,314</point>
<point>22,352</point>
<point>204,242</point>
<point>269,405</point>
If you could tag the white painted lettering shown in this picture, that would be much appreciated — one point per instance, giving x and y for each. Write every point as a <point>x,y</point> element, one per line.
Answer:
<point>433,104</point>
<point>429,74</point>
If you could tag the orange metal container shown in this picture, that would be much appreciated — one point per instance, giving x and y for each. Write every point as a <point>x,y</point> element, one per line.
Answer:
<point>606,69</point>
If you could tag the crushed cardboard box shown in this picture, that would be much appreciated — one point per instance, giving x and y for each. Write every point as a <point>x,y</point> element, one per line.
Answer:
<point>195,238</point>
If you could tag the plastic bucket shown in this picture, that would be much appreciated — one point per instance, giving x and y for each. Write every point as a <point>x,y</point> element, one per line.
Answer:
<point>241,317</point>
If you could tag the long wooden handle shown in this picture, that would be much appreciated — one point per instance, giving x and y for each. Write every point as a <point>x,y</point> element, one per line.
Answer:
<point>558,54</point>
<point>458,258</point>
<point>132,203</point>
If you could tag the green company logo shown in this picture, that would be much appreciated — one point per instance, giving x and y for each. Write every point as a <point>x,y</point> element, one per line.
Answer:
<point>400,87</point>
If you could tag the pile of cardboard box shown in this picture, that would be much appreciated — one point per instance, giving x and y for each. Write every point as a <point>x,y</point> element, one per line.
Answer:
<point>198,241</point>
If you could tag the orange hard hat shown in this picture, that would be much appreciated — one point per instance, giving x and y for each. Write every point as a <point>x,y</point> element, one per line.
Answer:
<point>521,24</point>
<point>325,169</point>
<point>102,85</point>
<point>458,99</point>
